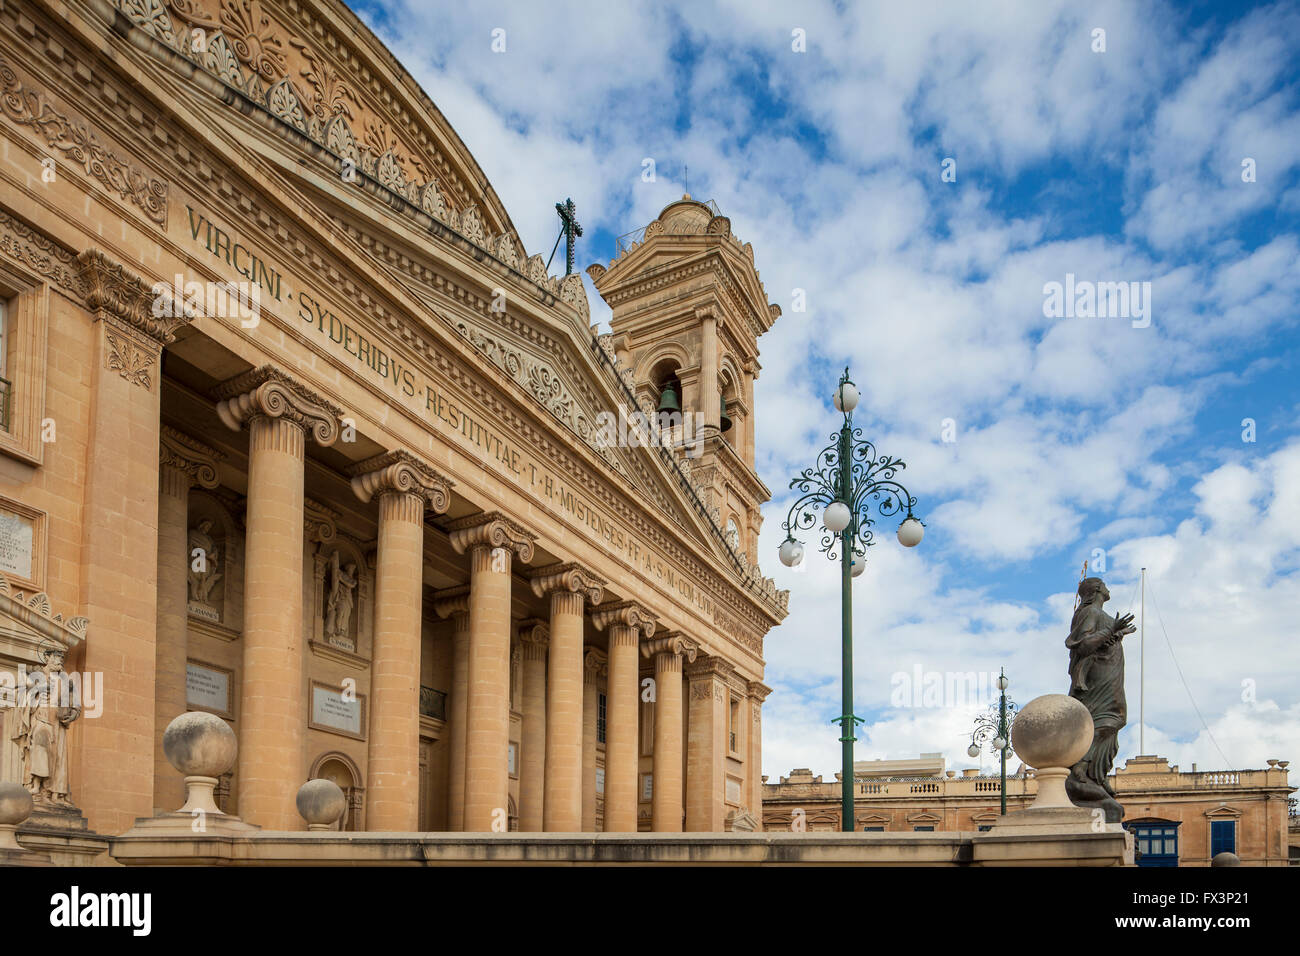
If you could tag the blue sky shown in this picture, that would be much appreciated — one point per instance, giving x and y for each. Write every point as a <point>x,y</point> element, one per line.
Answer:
<point>1071,434</point>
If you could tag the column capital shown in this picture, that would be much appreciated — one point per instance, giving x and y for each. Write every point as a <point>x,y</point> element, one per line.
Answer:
<point>710,666</point>
<point>672,642</point>
<point>192,458</point>
<point>491,529</point>
<point>123,298</point>
<point>758,690</point>
<point>268,392</point>
<point>595,665</point>
<point>320,523</point>
<point>451,601</point>
<point>626,613</point>
<point>400,471</point>
<point>568,577</point>
<point>534,631</point>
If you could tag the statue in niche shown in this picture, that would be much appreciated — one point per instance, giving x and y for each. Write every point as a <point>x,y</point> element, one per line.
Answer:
<point>338,607</point>
<point>1097,681</point>
<point>35,745</point>
<point>203,571</point>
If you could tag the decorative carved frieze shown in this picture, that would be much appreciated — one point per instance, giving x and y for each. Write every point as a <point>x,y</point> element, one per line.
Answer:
<point>627,614</point>
<point>41,255</point>
<point>189,456</point>
<point>80,146</point>
<point>568,577</point>
<point>269,392</point>
<point>402,472</point>
<point>491,530</point>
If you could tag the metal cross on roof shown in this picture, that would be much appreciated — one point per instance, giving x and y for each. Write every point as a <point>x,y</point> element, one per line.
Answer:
<point>569,230</point>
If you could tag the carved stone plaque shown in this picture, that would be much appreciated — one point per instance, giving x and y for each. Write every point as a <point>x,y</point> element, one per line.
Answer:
<point>17,544</point>
<point>332,712</point>
<point>207,688</point>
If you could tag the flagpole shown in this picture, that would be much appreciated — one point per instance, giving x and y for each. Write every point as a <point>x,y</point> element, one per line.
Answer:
<point>1142,671</point>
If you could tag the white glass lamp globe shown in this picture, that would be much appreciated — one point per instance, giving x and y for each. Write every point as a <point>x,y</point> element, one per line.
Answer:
<point>999,743</point>
<point>846,397</point>
<point>1003,682</point>
<point>836,516</point>
<point>910,532</point>
<point>858,564</point>
<point>973,750</point>
<point>791,552</point>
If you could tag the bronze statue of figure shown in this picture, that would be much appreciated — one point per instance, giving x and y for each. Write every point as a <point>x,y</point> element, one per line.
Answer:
<point>1097,682</point>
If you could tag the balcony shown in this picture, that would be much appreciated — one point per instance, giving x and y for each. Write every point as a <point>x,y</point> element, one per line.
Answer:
<point>433,703</point>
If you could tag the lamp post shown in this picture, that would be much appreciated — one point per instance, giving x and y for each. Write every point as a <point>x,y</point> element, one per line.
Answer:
<point>848,476</point>
<point>995,730</point>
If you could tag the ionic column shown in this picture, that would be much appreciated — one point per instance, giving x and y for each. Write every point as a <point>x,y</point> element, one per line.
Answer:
<point>454,603</point>
<point>666,799</point>
<point>279,413</point>
<point>595,665</point>
<point>491,540</point>
<point>182,462</point>
<point>534,636</point>
<point>569,586</point>
<point>403,484</point>
<point>628,623</point>
<point>754,763</point>
<point>113,774</point>
<point>706,748</point>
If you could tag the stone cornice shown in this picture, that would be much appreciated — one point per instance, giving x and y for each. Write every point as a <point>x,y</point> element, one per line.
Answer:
<point>568,577</point>
<point>491,530</point>
<point>115,294</point>
<point>269,392</point>
<point>185,454</point>
<point>34,250</point>
<point>626,613</point>
<point>451,601</point>
<point>400,471</point>
<point>674,642</point>
<point>758,690</point>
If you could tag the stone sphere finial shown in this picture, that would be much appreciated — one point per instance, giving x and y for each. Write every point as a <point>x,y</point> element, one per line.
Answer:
<point>203,747</point>
<point>1226,858</point>
<point>1051,733</point>
<point>321,803</point>
<point>15,806</point>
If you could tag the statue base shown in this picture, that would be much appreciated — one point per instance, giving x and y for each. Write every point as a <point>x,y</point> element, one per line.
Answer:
<point>56,816</point>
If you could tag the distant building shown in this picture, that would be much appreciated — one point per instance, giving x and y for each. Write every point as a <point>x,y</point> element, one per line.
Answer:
<point>1177,818</point>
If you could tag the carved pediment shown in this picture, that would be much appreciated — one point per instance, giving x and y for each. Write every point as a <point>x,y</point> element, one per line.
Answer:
<point>29,628</point>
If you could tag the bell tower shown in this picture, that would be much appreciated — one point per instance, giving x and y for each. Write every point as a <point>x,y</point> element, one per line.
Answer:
<point>688,308</point>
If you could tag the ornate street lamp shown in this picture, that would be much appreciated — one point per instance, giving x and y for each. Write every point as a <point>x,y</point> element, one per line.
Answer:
<point>847,478</point>
<point>995,730</point>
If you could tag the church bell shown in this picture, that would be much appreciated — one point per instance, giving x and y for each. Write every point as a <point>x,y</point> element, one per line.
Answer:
<point>723,421</point>
<point>668,400</point>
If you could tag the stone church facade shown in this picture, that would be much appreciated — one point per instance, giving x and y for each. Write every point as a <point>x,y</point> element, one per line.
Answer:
<point>295,431</point>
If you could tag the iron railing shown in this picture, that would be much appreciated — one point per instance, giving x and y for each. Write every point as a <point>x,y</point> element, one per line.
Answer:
<point>433,703</point>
